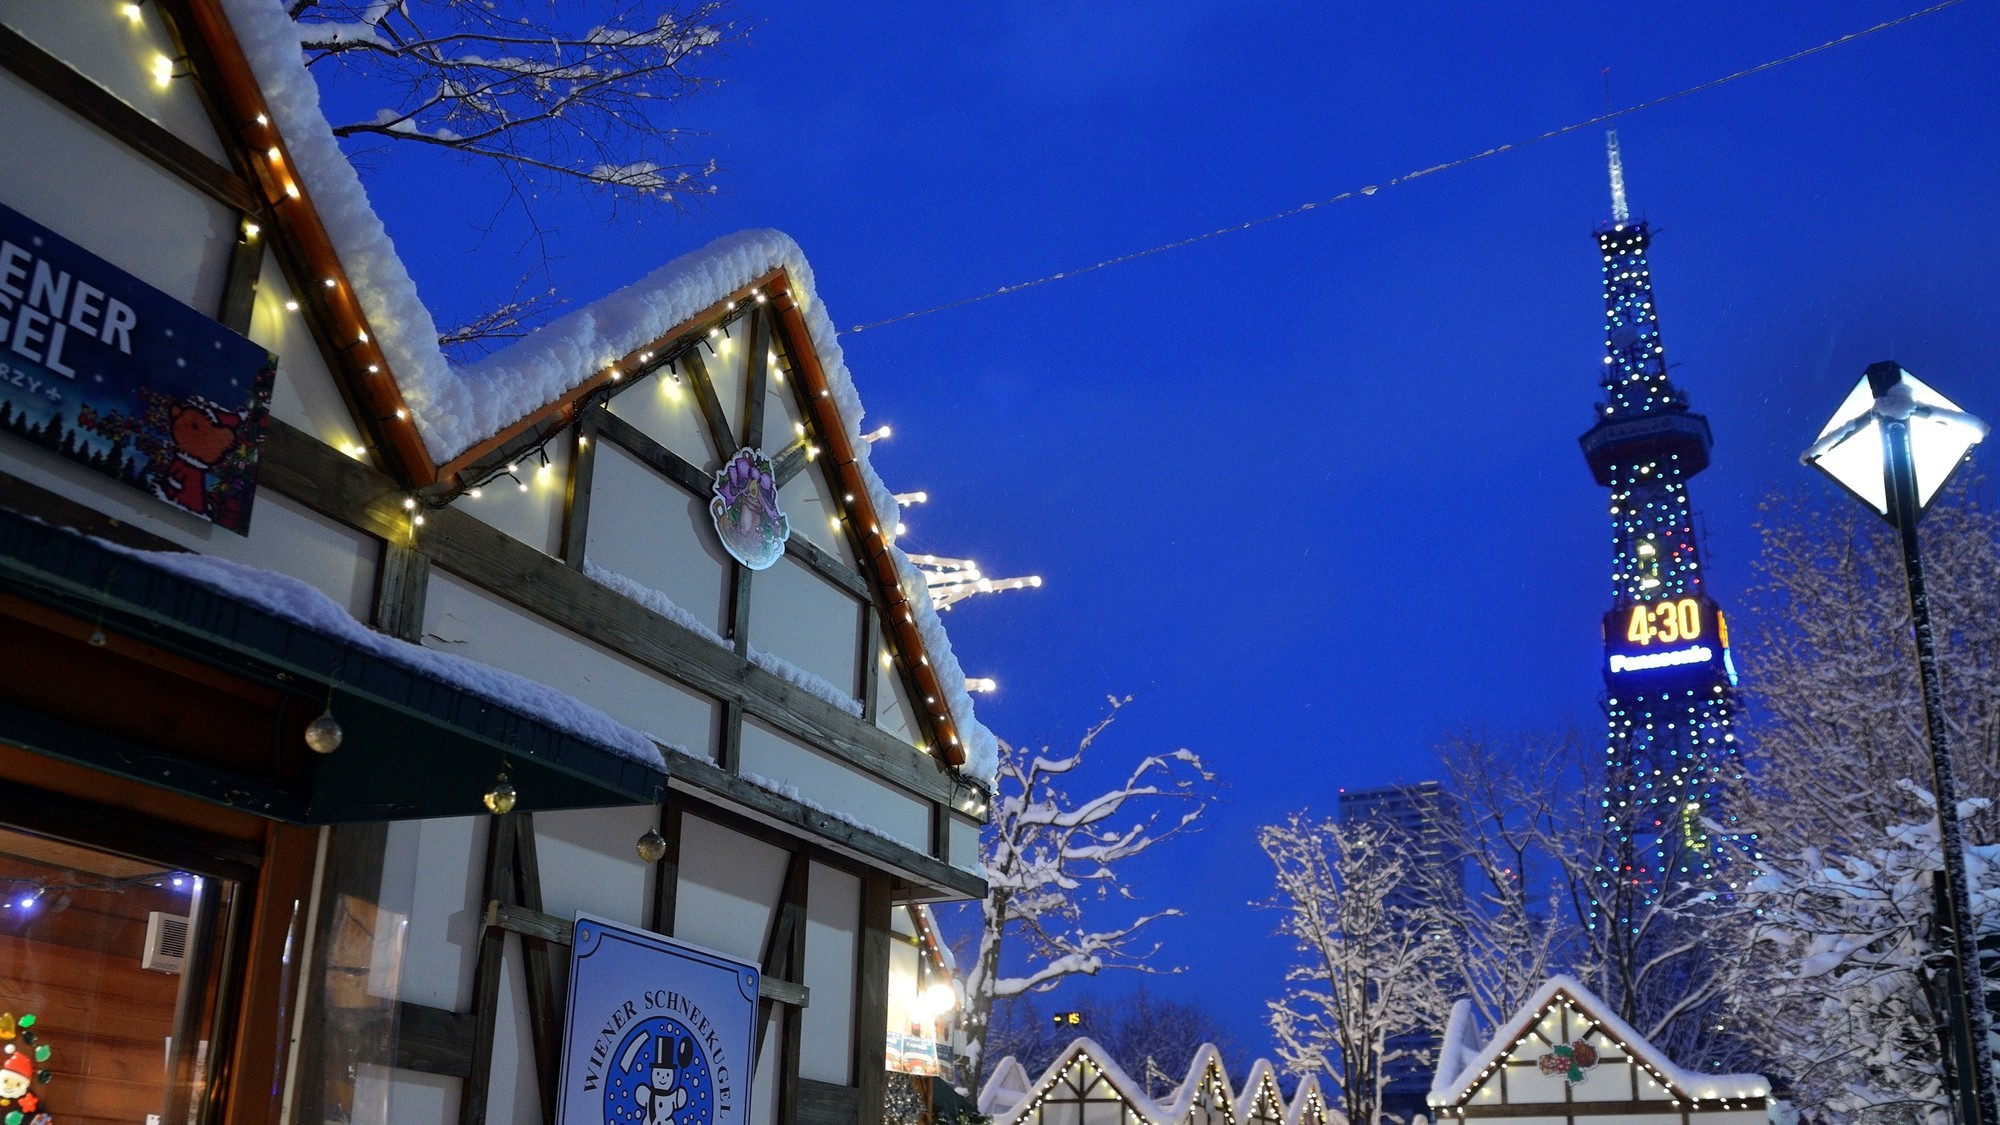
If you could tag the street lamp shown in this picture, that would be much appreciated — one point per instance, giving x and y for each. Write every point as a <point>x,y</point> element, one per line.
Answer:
<point>1894,443</point>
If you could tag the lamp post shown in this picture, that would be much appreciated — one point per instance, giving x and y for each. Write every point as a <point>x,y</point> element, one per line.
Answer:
<point>1893,443</point>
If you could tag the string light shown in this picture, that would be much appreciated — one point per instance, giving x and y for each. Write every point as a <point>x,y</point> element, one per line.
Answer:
<point>648,363</point>
<point>1608,116</point>
<point>1662,755</point>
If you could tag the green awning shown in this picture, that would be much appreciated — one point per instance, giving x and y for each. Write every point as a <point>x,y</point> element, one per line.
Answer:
<point>125,666</point>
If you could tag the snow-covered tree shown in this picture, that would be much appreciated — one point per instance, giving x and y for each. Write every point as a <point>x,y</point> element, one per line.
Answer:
<point>1535,854</point>
<point>1375,959</point>
<point>1846,990</point>
<point>1515,926</point>
<point>1830,665</point>
<point>1051,859</point>
<point>1833,972</point>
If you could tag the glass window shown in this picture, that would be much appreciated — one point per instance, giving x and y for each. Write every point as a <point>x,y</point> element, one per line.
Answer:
<point>108,984</point>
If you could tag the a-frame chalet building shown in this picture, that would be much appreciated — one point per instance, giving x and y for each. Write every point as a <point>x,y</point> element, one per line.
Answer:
<point>343,679</point>
<point>1567,1059</point>
<point>1086,1086</point>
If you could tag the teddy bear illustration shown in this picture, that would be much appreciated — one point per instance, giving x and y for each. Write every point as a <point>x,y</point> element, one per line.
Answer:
<point>663,1096</point>
<point>203,433</point>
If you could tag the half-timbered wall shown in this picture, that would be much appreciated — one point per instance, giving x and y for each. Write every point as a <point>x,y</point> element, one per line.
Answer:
<point>781,852</point>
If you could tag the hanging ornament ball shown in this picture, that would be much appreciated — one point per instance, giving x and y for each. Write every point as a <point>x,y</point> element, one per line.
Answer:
<point>500,799</point>
<point>41,1052</point>
<point>324,734</point>
<point>652,846</point>
<point>97,638</point>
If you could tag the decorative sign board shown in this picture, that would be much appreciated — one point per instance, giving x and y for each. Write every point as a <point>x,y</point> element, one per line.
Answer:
<point>657,1032</point>
<point>1671,639</point>
<point>752,527</point>
<point>102,368</point>
<point>912,1054</point>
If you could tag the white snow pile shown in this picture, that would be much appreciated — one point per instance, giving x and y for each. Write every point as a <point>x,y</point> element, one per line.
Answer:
<point>654,600</point>
<point>815,685</point>
<point>1688,1083</point>
<point>295,601</point>
<point>457,407</point>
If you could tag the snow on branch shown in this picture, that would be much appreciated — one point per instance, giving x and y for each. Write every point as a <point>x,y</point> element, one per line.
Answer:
<point>1047,855</point>
<point>571,93</point>
<point>1375,960</point>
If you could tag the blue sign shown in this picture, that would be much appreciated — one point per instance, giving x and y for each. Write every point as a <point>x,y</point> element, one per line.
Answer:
<point>102,368</point>
<point>658,1033</point>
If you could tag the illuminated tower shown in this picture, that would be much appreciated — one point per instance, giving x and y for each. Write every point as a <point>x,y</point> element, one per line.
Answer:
<point>1669,681</point>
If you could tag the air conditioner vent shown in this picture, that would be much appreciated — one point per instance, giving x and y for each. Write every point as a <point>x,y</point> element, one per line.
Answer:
<point>166,943</point>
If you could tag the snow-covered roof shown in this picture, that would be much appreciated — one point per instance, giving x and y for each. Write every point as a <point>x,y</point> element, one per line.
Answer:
<point>1458,1047</point>
<point>1260,1071</point>
<point>1558,990</point>
<point>1303,1100</point>
<point>1176,1107</point>
<point>1008,1094</point>
<point>455,407</point>
<point>298,602</point>
<point>1005,1088</point>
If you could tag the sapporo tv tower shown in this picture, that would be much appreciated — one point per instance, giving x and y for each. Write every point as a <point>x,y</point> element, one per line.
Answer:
<point>1670,748</point>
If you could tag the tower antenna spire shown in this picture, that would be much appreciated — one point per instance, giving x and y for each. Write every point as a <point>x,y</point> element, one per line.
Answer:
<point>1620,213</point>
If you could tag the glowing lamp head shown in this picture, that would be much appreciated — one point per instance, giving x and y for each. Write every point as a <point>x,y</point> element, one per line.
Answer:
<point>1855,447</point>
<point>941,996</point>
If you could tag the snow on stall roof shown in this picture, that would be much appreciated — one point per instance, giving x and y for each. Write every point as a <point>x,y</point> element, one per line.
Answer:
<point>1133,1092</point>
<point>1689,1083</point>
<point>1190,1087</point>
<point>1005,1088</point>
<point>400,323</point>
<point>1459,1045</point>
<point>296,601</point>
<point>1308,1089</point>
<point>1260,1070</point>
<point>457,407</point>
<point>1008,1089</point>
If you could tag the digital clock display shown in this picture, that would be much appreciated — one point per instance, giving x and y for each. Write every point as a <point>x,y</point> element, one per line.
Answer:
<point>1684,636</point>
<point>1664,623</point>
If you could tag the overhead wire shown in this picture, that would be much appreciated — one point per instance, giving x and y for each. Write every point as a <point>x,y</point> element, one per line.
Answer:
<point>1607,116</point>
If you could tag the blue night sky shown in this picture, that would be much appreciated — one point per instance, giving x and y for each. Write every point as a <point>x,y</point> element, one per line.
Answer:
<point>1312,492</point>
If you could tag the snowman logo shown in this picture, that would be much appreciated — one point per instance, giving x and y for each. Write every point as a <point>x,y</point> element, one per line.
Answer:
<point>659,1076</point>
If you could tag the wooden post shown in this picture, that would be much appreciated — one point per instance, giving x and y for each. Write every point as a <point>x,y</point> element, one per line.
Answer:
<point>487,976</point>
<point>667,873</point>
<point>871,1000</point>
<point>576,500</point>
<point>544,1006</point>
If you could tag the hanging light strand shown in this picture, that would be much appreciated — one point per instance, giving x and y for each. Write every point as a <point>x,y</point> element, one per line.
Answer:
<point>1602,118</point>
